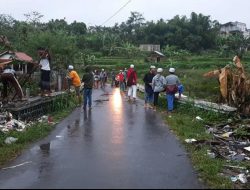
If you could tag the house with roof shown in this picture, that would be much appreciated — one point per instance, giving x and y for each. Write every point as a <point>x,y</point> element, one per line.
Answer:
<point>234,28</point>
<point>19,61</point>
<point>154,52</point>
<point>156,56</point>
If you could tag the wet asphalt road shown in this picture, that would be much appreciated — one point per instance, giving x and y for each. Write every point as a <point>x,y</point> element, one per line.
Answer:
<point>116,145</point>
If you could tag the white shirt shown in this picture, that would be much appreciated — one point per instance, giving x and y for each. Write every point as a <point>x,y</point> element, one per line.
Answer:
<point>45,64</point>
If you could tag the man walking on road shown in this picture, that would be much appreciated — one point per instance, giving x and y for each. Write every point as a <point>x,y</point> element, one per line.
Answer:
<point>88,80</point>
<point>131,83</point>
<point>103,78</point>
<point>149,92</point>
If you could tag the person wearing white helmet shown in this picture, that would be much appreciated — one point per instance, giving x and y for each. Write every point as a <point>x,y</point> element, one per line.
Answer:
<point>172,82</point>
<point>132,83</point>
<point>75,81</point>
<point>158,85</point>
<point>149,92</point>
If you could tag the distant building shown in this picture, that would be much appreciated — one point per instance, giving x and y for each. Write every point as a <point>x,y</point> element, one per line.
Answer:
<point>150,47</point>
<point>156,56</point>
<point>234,28</point>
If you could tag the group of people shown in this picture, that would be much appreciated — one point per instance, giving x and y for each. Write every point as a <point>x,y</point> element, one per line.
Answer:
<point>155,83</point>
<point>100,78</point>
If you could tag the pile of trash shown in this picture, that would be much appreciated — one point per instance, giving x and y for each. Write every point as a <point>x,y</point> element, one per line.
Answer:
<point>231,142</point>
<point>7,123</point>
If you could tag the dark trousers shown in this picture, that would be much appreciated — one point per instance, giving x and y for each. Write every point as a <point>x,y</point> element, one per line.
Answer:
<point>8,78</point>
<point>45,80</point>
<point>156,97</point>
<point>87,97</point>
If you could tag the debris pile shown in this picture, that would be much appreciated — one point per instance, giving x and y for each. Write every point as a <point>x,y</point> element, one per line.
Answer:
<point>7,123</point>
<point>231,142</point>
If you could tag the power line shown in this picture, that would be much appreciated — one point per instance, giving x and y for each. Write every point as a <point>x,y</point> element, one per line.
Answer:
<point>116,12</point>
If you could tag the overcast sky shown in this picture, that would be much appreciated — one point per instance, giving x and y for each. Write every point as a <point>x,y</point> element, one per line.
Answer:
<point>96,12</point>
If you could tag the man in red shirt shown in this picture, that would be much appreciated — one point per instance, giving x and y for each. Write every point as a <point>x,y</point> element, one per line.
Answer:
<point>132,83</point>
<point>120,78</point>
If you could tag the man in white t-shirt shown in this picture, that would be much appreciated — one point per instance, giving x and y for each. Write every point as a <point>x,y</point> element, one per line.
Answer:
<point>45,71</point>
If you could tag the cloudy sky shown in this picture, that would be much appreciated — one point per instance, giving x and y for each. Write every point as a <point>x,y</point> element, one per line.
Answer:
<point>97,12</point>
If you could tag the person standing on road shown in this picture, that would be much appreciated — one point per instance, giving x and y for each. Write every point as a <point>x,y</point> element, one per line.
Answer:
<point>172,83</point>
<point>158,84</point>
<point>112,78</point>
<point>131,83</point>
<point>75,81</point>
<point>149,92</point>
<point>103,78</point>
<point>125,73</point>
<point>120,78</point>
<point>88,80</point>
<point>97,79</point>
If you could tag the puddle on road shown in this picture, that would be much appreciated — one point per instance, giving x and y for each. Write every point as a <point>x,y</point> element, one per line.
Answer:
<point>106,94</point>
<point>101,100</point>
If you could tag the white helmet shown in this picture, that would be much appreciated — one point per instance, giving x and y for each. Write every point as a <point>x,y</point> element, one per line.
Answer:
<point>132,66</point>
<point>70,67</point>
<point>172,70</point>
<point>152,67</point>
<point>159,70</point>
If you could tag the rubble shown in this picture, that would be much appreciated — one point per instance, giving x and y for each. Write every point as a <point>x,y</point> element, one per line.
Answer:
<point>10,124</point>
<point>7,123</point>
<point>231,142</point>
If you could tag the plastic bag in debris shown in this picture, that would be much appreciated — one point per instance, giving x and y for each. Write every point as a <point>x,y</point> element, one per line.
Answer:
<point>227,135</point>
<point>238,157</point>
<point>10,140</point>
<point>210,130</point>
<point>15,125</point>
<point>43,119</point>
<point>190,140</point>
<point>247,148</point>
<point>199,118</point>
<point>242,178</point>
<point>211,154</point>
